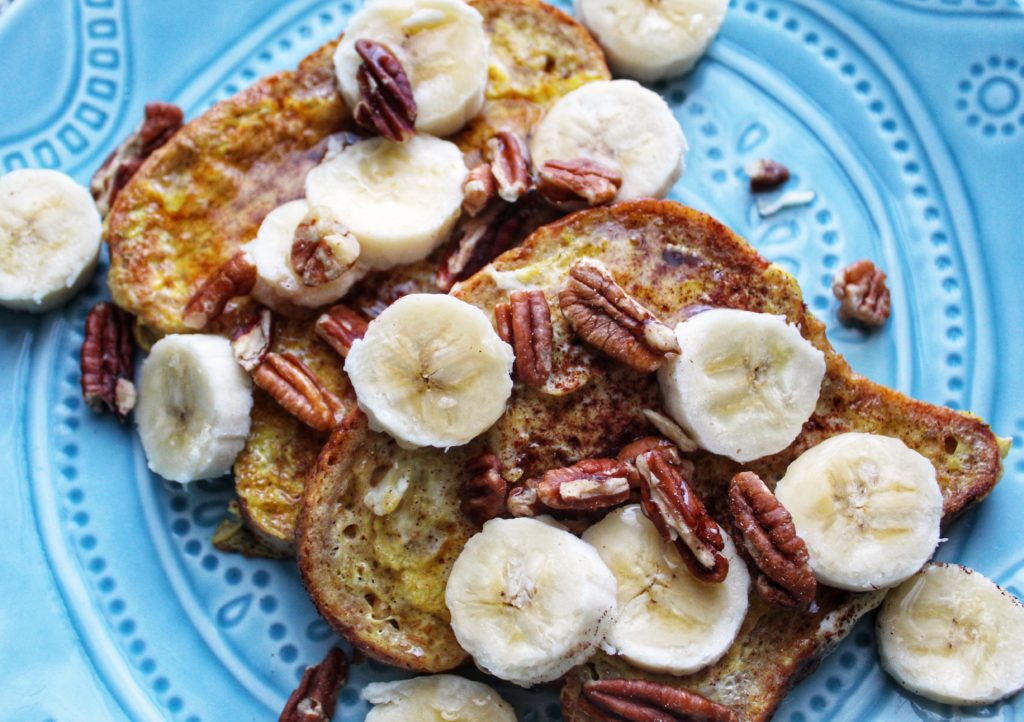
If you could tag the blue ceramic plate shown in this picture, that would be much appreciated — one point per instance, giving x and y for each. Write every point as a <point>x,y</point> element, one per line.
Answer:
<point>905,117</point>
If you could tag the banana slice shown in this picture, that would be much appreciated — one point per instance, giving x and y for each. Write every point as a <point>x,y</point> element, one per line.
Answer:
<point>400,200</point>
<point>652,40</point>
<point>277,284</point>
<point>868,508</point>
<point>438,698</point>
<point>744,384</point>
<point>668,621</point>
<point>431,371</point>
<point>49,239</point>
<point>529,601</point>
<point>442,47</point>
<point>621,125</point>
<point>951,635</point>
<point>193,410</point>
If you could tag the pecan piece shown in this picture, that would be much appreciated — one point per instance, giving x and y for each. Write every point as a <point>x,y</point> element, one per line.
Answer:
<point>588,485</point>
<point>639,700</point>
<point>522,500</point>
<point>106,360</point>
<point>510,164</point>
<point>295,387</point>
<point>161,121</point>
<point>605,316</point>
<point>632,450</point>
<point>323,248</point>
<point>481,239</point>
<point>578,181</point>
<point>236,277</point>
<point>479,189</point>
<point>251,341</point>
<point>386,104</point>
<point>863,295</point>
<point>524,322</point>
<point>476,242</point>
<point>482,495</point>
<point>680,517</point>
<point>771,539</point>
<point>340,327</point>
<point>766,175</point>
<point>316,696</point>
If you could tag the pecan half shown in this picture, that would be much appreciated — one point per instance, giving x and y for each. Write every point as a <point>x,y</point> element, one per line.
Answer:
<point>106,360</point>
<point>295,387</point>
<point>482,495</point>
<point>236,277</point>
<point>770,537</point>
<point>161,121</point>
<point>323,248</point>
<point>316,696</point>
<point>863,295</point>
<point>510,164</point>
<point>524,322</point>
<point>766,175</point>
<point>669,450</point>
<point>479,189</point>
<point>639,700</point>
<point>605,316</point>
<point>680,517</point>
<point>252,339</point>
<point>578,181</point>
<point>386,104</point>
<point>588,485</point>
<point>340,327</point>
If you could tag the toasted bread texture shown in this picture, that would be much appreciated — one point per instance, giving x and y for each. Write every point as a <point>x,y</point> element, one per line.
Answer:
<point>280,451</point>
<point>201,196</point>
<point>379,531</point>
<point>672,258</point>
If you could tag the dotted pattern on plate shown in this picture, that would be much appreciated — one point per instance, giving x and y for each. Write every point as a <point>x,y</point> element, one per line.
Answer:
<point>247,623</point>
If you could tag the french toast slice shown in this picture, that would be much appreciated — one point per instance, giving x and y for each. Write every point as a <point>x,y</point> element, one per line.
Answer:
<point>197,199</point>
<point>672,258</point>
<point>376,566</point>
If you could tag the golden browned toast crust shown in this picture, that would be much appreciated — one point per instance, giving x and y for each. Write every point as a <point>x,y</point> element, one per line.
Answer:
<point>197,199</point>
<point>379,578</point>
<point>538,52</point>
<point>670,258</point>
